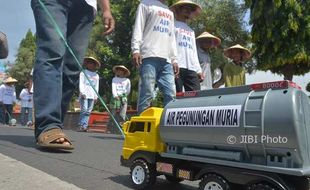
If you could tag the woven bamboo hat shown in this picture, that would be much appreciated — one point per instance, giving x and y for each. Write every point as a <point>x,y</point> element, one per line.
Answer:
<point>88,60</point>
<point>10,80</point>
<point>121,67</point>
<point>246,53</point>
<point>206,37</point>
<point>196,9</point>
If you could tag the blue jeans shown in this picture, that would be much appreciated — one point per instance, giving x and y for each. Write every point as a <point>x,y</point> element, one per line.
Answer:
<point>155,70</point>
<point>23,113</point>
<point>86,108</point>
<point>56,73</point>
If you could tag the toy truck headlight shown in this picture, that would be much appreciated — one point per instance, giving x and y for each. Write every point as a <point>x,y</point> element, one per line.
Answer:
<point>184,174</point>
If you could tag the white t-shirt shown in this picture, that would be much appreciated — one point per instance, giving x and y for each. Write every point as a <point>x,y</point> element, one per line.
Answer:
<point>205,63</point>
<point>92,3</point>
<point>153,34</point>
<point>120,86</point>
<point>26,98</point>
<point>186,47</point>
<point>85,86</point>
<point>7,94</point>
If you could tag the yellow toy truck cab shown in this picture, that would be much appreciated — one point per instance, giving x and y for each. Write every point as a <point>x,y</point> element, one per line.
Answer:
<point>142,137</point>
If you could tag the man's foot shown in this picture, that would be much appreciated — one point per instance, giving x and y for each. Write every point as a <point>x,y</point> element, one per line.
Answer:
<point>54,139</point>
<point>62,141</point>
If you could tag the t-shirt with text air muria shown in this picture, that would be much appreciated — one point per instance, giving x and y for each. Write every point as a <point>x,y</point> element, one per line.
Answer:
<point>186,47</point>
<point>153,34</point>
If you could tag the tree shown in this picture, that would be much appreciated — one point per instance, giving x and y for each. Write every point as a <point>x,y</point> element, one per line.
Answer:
<point>4,50</point>
<point>24,60</point>
<point>280,35</point>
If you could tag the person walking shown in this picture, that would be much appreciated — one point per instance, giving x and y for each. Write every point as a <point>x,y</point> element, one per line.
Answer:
<point>26,105</point>
<point>88,96</point>
<point>56,73</point>
<point>154,51</point>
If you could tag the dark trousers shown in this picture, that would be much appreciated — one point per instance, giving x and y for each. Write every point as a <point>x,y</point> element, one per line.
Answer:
<point>56,73</point>
<point>189,79</point>
<point>6,113</point>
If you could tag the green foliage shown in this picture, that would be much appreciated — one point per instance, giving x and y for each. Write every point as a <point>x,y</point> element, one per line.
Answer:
<point>24,61</point>
<point>158,100</point>
<point>280,35</point>
<point>115,49</point>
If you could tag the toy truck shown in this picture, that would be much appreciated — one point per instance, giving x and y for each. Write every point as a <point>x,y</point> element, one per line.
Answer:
<point>255,137</point>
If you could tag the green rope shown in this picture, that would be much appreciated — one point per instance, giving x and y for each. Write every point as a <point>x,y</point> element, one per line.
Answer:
<point>56,27</point>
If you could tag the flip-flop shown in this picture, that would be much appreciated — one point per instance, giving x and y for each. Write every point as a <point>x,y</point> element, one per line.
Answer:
<point>48,139</point>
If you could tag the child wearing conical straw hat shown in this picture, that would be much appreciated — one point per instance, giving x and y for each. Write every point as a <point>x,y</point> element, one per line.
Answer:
<point>120,90</point>
<point>88,96</point>
<point>234,72</point>
<point>7,99</point>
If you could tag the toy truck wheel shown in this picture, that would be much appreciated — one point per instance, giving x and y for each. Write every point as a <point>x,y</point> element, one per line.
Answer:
<point>261,186</point>
<point>142,174</point>
<point>213,182</point>
<point>173,179</point>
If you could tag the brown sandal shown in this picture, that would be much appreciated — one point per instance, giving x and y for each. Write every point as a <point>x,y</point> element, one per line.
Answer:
<point>48,139</point>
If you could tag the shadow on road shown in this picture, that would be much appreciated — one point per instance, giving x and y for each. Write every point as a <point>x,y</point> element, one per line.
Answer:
<point>109,137</point>
<point>160,184</point>
<point>53,150</point>
<point>26,141</point>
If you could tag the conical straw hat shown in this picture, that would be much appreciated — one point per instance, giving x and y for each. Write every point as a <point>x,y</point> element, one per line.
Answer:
<point>10,80</point>
<point>116,67</point>
<point>206,35</point>
<point>246,52</point>
<point>93,60</point>
<point>195,11</point>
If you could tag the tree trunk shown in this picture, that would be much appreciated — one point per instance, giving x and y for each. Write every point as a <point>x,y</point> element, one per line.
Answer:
<point>288,76</point>
<point>288,72</point>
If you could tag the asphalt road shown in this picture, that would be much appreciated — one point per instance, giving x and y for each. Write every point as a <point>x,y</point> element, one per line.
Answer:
<point>94,163</point>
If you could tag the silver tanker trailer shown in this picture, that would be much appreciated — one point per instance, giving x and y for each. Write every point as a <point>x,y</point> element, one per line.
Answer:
<point>254,137</point>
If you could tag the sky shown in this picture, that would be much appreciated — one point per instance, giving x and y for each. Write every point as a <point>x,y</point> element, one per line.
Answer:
<point>17,18</point>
